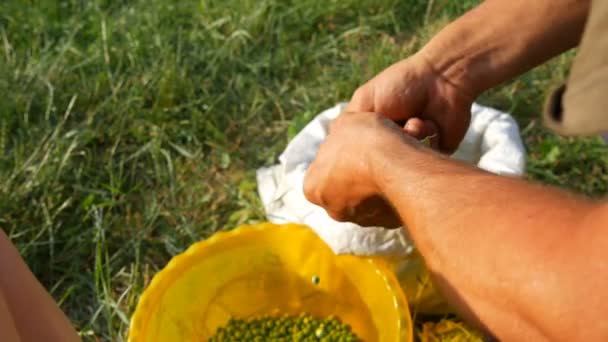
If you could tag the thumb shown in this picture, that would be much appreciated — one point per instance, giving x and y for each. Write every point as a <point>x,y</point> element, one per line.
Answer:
<point>422,129</point>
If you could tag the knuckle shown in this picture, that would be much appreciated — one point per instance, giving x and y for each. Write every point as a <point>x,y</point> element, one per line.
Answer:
<point>337,215</point>
<point>361,100</point>
<point>359,93</point>
<point>309,189</point>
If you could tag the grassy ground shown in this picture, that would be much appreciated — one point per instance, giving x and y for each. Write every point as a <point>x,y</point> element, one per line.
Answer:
<point>131,129</point>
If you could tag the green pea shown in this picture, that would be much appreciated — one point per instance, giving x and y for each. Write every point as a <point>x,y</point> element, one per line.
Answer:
<point>301,328</point>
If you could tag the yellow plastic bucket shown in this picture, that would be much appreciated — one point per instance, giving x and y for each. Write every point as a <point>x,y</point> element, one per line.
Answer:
<point>269,269</point>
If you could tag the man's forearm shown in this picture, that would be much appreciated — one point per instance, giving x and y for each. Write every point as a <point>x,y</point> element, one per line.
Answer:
<point>507,253</point>
<point>501,39</point>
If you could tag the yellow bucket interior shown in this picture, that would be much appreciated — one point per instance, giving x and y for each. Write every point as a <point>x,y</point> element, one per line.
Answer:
<point>269,269</point>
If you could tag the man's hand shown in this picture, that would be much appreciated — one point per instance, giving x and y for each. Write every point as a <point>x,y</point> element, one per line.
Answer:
<point>411,92</point>
<point>342,178</point>
<point>501,250</point>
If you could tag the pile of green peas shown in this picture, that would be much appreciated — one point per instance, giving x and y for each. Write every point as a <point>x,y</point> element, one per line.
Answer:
<point>301,328</point>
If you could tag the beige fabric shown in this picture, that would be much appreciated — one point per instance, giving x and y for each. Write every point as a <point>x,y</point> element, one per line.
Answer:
<point>581,107</point>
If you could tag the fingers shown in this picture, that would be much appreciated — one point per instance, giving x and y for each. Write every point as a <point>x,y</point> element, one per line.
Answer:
<point>421,129</point>
<point>377,212</point>
<point>453,130</point>
<point>432,131</point>
<point>445,136</point>
<point>371,212</point>
<point>415,128</point>
<point>362,100</point>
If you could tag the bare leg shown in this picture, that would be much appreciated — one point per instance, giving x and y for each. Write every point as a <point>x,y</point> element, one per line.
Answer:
<point>27,311</point>
<point>8,331</point>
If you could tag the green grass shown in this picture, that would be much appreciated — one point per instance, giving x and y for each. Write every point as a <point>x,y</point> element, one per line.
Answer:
<point>131,129</point>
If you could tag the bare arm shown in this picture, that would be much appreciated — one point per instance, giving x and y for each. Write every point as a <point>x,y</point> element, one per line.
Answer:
<point>501,39</point>
<point>433,89</point>
<point>526,262</point>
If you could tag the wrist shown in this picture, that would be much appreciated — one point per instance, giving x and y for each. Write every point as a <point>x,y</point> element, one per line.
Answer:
<point>455,68</point>
<point>386,163</point>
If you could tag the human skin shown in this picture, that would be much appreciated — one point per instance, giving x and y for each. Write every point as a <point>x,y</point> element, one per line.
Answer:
<point>514,36</point>
<point>520,260</point>
<point>524,262</point>
<point>27,311</point>
<point>488,45</point>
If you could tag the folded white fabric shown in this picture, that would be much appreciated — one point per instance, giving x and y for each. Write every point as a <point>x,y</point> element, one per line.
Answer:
<point>492,142</point>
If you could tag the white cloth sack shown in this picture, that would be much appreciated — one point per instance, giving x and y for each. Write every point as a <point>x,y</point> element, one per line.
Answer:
<point>492,142</point>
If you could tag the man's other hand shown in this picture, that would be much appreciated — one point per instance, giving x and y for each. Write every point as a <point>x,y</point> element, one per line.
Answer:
<point>410,92</point>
